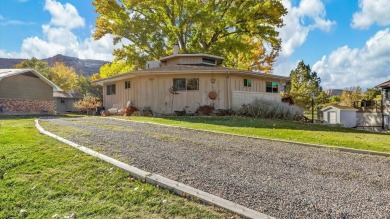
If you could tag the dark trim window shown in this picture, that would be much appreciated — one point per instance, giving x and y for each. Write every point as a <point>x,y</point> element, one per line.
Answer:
<point>127,84</point>
<point>62,101</point>
<point>272,87</point>
<point>111,89</point>
<point>247,82</point>
<point>179,83</point>
<point>209,61</point>
<point>183,84</point>
<point>387,94</point>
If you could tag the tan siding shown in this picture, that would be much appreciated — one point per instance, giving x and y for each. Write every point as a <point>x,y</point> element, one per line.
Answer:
<point>25,87</point>
<point>152,91</point>
<point>184,60</point>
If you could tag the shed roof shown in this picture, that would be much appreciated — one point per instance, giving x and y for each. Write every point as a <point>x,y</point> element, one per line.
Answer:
<point>4,73</point>
<point>187,69</point>
<point>67,95</point>
<point>384,84</point>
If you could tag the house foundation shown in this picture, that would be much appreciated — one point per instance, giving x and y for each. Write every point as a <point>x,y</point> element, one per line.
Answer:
<point>23,107</point>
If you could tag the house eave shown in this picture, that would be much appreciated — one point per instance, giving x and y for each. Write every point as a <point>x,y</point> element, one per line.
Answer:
<point>138,73</point>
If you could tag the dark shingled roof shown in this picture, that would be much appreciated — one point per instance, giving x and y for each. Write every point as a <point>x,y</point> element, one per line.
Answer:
<point>384,84</point>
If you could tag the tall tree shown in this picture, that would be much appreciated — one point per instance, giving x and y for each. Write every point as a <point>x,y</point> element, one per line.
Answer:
<point>36,64</point>
<point>351,95</point>
<point>237,30</point>
<point>63,76</point>
<point>84,86</point>
<point>371,94</point>
<point>115,68</point>
<point>303,83</point>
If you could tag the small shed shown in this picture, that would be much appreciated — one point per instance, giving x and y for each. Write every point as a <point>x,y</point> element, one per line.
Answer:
<point>64,101</point>
<point>343,115</point>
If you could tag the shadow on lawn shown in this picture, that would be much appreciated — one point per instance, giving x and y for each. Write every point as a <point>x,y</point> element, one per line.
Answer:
<point>248,122</point>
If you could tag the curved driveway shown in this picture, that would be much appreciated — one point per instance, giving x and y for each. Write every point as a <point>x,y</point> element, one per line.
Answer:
<point>283,180</point>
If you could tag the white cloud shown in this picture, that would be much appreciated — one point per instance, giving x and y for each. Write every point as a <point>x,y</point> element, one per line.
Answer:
<point>1,17</point>
<point>295,31</point>
<point>58,38</point>
<point>365,67</point>
<point>372,11</point>
<point>64,15</point>
<point>300,20</point>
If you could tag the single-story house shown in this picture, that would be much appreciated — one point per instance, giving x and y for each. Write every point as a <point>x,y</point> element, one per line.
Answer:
<point>199,80</point>
<point>385,110</point>
<point>25,91</point>
<point>64,101</point>
<point>343,115</point>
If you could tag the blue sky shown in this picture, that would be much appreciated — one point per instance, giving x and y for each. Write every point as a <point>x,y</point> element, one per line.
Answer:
<point>347,42</point>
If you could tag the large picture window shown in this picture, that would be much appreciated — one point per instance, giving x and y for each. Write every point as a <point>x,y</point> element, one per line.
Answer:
<point>186,84</point>
<point>272,87</point>
<point>247,82</point>
<point>111,89</point>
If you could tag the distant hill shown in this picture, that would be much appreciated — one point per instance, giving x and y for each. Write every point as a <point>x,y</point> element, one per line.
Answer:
<point>85,66</point>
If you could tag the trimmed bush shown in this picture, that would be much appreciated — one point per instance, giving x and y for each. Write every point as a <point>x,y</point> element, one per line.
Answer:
<point>268,109</point>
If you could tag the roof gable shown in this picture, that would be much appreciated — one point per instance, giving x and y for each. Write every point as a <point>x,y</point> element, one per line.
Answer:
<point>5,73</point>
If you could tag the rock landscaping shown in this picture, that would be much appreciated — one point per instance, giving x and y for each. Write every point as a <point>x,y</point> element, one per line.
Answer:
<point>283,180</point>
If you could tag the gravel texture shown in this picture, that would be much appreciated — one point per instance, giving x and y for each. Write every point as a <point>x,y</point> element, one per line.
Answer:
<point>283,180</point>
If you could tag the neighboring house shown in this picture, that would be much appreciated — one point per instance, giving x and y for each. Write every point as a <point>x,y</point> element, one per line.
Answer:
<point>333,92</point>
<point>343,115</point>
<point>25,91</point>
<point>385,91</point>
<point>199,79</point>
<point>64,101</point>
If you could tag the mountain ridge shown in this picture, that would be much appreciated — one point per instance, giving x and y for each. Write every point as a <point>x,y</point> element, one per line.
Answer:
<point>87,67</point>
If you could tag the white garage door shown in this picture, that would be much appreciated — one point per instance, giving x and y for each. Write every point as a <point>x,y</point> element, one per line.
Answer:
<point>332,118</point>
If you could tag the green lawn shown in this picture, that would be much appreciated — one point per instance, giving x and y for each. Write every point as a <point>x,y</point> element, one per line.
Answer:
<point>280,129</point>
<point>45,177</point>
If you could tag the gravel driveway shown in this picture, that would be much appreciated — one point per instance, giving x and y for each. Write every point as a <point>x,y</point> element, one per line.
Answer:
<point>279,179</point>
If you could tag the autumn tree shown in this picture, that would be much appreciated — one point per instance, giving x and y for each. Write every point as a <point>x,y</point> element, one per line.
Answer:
<point>110,69</point>
<point>303,83</point>
<point>63,76</point>
<point>84,86</point>
<point>36,64</point>
<point>372,94</point>
<point>88,104</point>
<point>241,31</point>
<point>351,95</point>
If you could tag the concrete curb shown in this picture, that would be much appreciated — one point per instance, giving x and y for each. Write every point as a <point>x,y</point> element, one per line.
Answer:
<point>171,185</point>
<point>351,150</point>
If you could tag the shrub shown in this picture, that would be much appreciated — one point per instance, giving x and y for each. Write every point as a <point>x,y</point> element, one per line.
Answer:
<point>87,104</point>
<point>205,110</point>
<point>269,109</point>
<point>128,111</point>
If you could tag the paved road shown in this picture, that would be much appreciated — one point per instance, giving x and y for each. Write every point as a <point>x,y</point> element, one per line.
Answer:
<point>279,179</point>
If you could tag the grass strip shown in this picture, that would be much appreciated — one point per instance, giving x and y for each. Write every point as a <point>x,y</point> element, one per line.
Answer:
<point>41,177</point>
<point>280,129</point>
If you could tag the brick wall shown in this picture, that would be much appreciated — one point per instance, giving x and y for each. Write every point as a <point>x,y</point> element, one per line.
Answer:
<point>18,106</point>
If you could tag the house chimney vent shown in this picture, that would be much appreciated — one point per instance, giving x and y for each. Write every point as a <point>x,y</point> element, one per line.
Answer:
<point>175,49</point>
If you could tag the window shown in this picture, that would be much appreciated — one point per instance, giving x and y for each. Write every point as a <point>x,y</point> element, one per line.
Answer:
<point>193,84</point>
<point>110,89</point>
<point>272,87</point>
<point>387,94</point>
<point>127,84</point>
<point>62,101</point>
<point>179,83</point>
<point>209,61</point>
<point>186,84</point>
<point>247,82</point>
